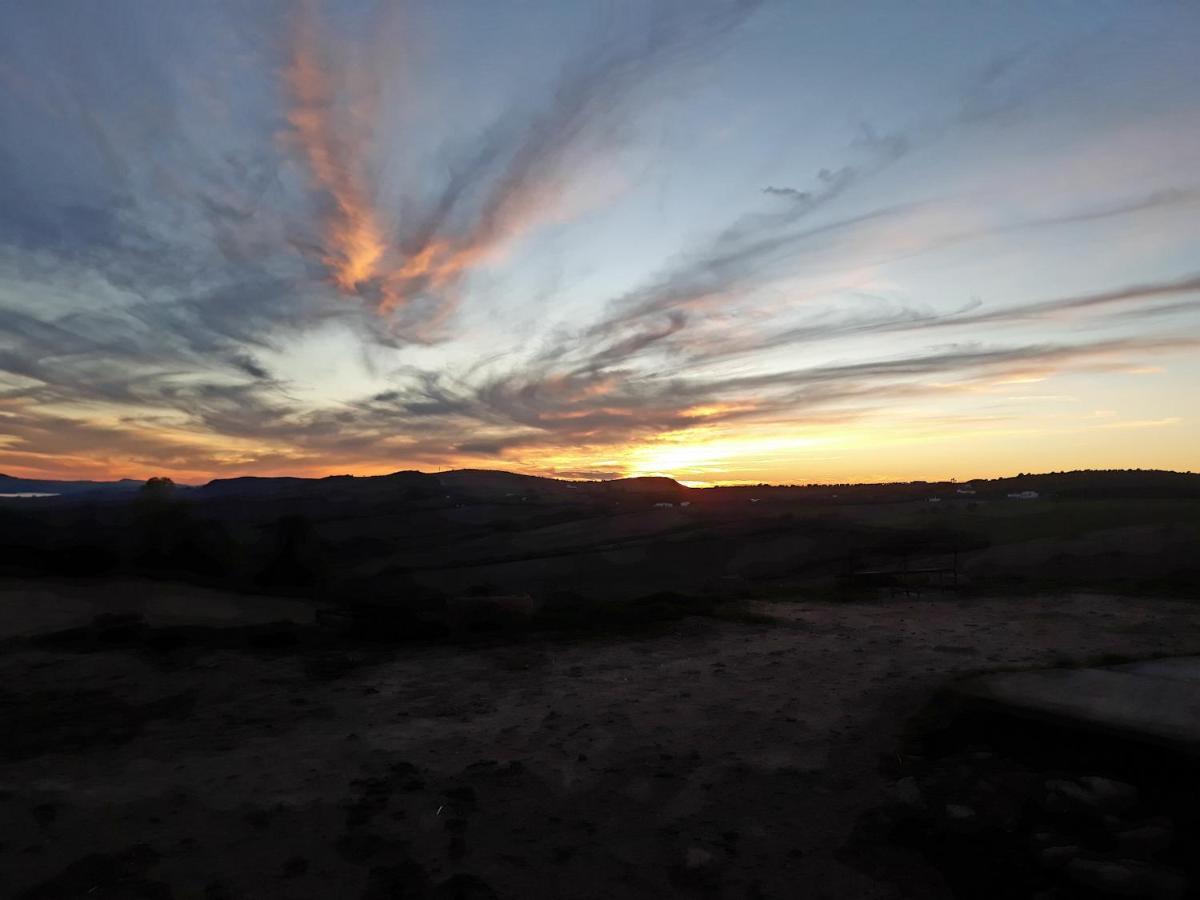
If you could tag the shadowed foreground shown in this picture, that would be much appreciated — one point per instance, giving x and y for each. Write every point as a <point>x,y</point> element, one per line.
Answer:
<point>720,759</point>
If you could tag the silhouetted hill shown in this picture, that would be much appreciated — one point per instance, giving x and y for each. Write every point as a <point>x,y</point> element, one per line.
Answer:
<point>491,477</point>
<point>11,485</point>
<point>1095,484</point>
<point>464,485</point>
<point>642,485</point>
<point>410,534</point>
<point>256,487</point>
<point>487,483</point>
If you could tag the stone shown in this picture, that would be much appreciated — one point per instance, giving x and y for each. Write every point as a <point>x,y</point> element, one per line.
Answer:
<point>1144,707</point>
<point>1057,857</point>
<point>907,793</point>
<point>961,819</point>
<point>1144,841</point>
<point>1110,795</point>
<point>1093,796</point>
<point>1126,878</point>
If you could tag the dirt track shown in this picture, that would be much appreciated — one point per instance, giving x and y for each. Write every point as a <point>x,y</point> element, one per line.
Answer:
<point>720,759</point>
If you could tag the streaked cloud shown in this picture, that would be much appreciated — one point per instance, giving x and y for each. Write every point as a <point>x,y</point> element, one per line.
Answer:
<point>182,216</point>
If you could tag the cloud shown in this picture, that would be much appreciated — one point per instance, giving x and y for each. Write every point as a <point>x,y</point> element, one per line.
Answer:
<point>523,415</point>
<point>168,231</point>
<point>328,134</point>
<point>524,412</point>
<point>664,315</point>
<point>517,177</point>
<point>970,316</point>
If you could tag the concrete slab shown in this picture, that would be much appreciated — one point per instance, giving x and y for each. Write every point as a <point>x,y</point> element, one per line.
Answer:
<point>1160,705</point>
<point>1181,668</point>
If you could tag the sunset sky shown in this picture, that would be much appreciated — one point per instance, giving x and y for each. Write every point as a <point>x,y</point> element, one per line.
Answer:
<point>721,241</point>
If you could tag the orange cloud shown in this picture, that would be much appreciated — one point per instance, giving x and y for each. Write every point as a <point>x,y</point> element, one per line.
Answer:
<point>354,243</point>
<point>327,130</point>
<point>330,122</point>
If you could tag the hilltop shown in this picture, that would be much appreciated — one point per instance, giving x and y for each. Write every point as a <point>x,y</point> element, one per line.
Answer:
<point>416,534</point>
<point>496,483</point>
<point>12,485</point>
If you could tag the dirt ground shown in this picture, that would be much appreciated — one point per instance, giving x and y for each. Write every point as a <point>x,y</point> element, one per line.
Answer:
<point>720,759</point>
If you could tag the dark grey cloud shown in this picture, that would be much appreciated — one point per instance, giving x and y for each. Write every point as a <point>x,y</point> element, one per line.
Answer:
<point>520,411</point>
<point>432,417</point>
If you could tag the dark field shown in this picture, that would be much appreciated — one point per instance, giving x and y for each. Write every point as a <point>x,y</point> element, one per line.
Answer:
<point>566,692</point>
<point>415,540</point>
<point>711,759</point>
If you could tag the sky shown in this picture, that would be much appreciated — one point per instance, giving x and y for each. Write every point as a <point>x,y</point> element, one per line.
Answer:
<point>720,240</point>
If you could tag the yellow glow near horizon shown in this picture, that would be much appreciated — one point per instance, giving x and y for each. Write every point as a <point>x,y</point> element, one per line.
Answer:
<point>973,438</point>
<point>684,454</point>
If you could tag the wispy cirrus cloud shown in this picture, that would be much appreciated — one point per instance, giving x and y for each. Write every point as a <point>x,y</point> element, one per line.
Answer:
<point>329,130</point>
<point>518,175</point>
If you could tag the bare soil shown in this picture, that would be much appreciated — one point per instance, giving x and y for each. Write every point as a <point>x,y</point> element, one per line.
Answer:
<point>719,759</point>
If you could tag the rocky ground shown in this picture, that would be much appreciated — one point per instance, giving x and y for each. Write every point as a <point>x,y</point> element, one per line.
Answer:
<point>1009,808</point>
<point>717,759</point>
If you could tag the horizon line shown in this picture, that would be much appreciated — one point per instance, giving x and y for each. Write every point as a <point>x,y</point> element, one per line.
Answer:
<point>688,483</point>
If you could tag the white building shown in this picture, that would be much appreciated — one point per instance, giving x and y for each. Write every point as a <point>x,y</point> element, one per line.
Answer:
<point>1024,495</point>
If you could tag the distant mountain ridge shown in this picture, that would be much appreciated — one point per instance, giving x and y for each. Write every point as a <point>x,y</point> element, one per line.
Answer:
<point>12,485</point>
<point>478,483</point>
<point>474,483</point>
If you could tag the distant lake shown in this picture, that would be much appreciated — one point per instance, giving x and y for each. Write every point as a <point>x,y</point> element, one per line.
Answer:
<point>24,496</point>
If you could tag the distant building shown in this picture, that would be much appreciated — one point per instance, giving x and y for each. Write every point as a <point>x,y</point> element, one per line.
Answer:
<point>965,490</point>
<point>664,505</point>
<point>1023,495</point>
<point>935,499</point>
<point>686,503</point>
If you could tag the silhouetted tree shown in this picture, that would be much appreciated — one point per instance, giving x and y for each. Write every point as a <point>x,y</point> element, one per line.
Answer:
<point>157,490</point>
<point>163,527</point>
